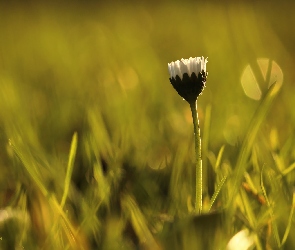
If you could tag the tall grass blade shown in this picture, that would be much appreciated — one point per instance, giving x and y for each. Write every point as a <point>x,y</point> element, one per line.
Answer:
<point>250,183</point>
<point>289,169</point>
<point>217,191</point>
<point>138,222</point>
<point>29,166</point>
<point>252,220</point>
<point>219,157</point>
<point>272,216</point>
<point>260,114</point>
<point>70,167</point>
<point>290,221</point>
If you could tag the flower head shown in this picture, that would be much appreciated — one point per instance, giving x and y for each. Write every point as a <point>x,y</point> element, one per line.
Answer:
<point>188,77</point>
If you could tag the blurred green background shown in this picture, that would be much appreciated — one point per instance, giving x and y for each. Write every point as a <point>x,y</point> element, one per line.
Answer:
<point>100,69</point>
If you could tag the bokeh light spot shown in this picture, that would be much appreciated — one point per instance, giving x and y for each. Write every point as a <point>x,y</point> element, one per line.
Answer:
<point>249,84</point>
<point>270,73</point>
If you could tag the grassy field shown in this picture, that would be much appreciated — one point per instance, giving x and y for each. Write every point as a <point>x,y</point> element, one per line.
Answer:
<point>97,148</point>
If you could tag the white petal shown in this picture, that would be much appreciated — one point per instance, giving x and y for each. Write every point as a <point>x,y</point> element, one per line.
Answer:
<point>195,66</point>
<point>200,64</point>
<point>173,69</point>
<point>170,70</point>
<point>205,62</point>
<point>191,66</point>
<point>183,67</point>
<point>177,69</point>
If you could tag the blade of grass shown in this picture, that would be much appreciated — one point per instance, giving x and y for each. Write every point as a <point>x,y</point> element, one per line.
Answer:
<point>260,114</point>
<point>288,169</point>
<point>279,162</point>
<point>288,228</point>
<point>252,220</point>
<point>250,183</point>
<point>217,191</point>
<point>286,149</point>
<point>30,166</point>
<point>70,167</point>
<point>219,157</point>
<point>273,221</point>
<point>138,221</point>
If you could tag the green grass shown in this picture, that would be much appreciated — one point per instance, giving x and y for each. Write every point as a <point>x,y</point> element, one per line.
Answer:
<point>97,149</point>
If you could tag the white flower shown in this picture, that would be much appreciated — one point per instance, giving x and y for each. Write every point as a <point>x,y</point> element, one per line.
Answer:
<point>196,65</point>
<point>188,77</point>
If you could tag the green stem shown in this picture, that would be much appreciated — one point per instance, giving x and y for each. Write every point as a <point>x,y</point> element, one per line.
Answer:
<point>199,185</point>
